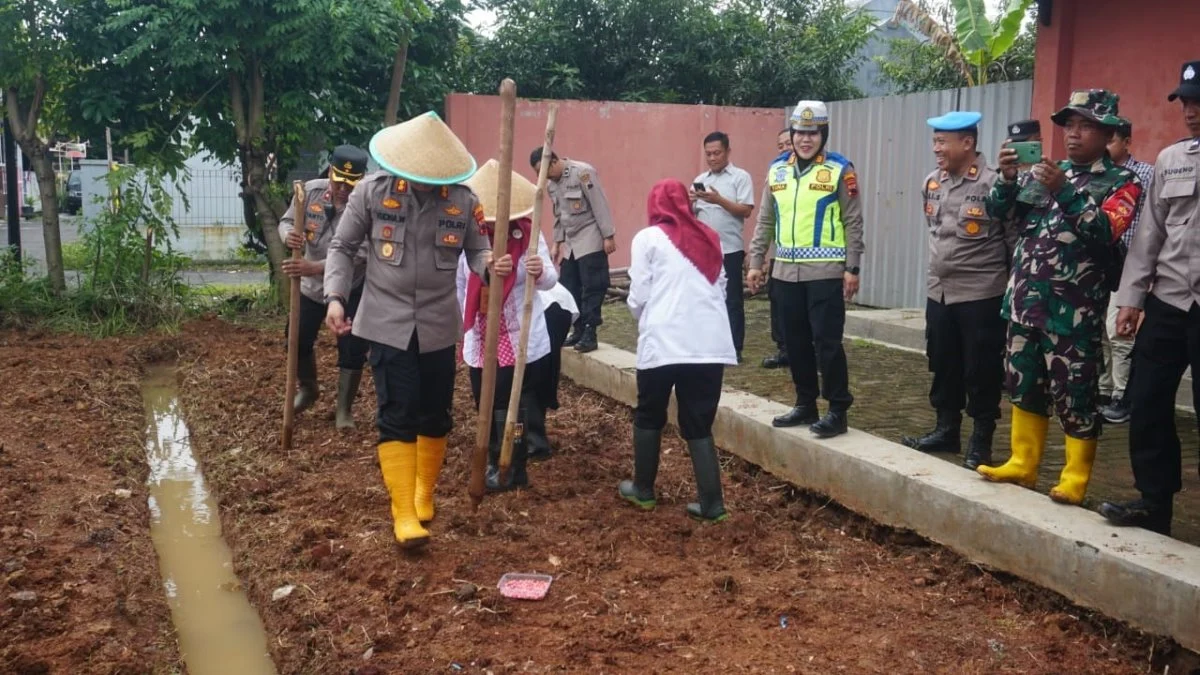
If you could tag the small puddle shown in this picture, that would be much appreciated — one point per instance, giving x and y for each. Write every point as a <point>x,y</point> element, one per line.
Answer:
<point>219,630</point>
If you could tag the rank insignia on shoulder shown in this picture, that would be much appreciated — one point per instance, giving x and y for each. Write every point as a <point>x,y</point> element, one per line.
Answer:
<point>387,250</point>
<point>450,239</point>
<point>314,208</point>
<point>452,210</point>
<point>445,192</point>
<point>389,203</point>
<point>824,176</point>
<point>932,185</point>
<point>401,185</point>
<point>792,158</point>
<point>975,212</point>
<point>326,197</point>
<point>972,227</point>
<point>387,231</point>
<point>972,172</point>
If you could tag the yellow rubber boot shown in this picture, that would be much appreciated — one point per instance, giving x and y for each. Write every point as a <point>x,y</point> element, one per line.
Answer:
<point>1028,442</point>
<point>1072,484</point>
<point>398,461</point>
<point>430,454</point>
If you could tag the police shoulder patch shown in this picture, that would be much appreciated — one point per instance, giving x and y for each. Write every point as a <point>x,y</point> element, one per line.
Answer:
<point>851,178</point>
<point>478,214</point>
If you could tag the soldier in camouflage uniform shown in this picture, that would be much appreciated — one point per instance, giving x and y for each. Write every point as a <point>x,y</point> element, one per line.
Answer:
<point>1070,214</point>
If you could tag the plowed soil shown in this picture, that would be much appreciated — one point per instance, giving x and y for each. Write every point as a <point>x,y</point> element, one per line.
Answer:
<point>792,583</point>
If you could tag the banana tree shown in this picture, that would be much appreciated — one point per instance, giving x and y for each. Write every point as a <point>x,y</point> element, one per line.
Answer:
<point>975,43</point>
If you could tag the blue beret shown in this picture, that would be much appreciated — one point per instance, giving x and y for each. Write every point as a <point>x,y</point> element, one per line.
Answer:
<point>955,121</point>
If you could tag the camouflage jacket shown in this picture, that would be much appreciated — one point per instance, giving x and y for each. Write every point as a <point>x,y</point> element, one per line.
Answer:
<point>1065,245</point>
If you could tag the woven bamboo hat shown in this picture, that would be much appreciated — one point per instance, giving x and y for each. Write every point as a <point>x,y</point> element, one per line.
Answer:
<point>423,150</point>
<point>485,183</point>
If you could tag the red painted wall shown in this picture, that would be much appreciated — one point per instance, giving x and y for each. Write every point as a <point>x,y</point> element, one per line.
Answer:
<point>632,146</point>
<point>1135,50</point>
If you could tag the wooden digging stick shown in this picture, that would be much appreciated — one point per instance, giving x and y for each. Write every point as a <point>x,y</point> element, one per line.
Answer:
<point>535,232</point>
<point>299,210</point>
<point>487,389</point>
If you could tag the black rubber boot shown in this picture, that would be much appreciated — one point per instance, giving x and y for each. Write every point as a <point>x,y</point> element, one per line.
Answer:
<point>834,423</point>
<point>536,440</point>
<point>1152,514</point>
<point>707,466</point>
<point>777,360</point>
<point>945,436</point>
<point>979,447</point>
<point>348,381</point>
<point>640,490</point>
<point>517,476</point>
<point>800,415</point>
<point>307,390</point>
<point>573,338</point>
<point>587,342</point>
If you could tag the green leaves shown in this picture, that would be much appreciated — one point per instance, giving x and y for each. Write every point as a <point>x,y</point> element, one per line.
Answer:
<point>972,30</point>
<point>976,44</point>
<point>1008,29</point>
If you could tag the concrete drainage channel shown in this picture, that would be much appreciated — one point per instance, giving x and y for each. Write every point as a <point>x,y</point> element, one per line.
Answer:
<point>1145,579</point>
<point>218,629</point>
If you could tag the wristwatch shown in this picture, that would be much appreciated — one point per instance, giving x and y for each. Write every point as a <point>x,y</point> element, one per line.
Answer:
<point>852,270</point>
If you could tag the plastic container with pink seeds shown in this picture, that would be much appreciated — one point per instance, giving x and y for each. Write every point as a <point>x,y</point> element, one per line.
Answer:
<point>521,586</point>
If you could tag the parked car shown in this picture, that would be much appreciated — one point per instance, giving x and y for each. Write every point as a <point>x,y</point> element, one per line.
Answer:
<point>74,202</point>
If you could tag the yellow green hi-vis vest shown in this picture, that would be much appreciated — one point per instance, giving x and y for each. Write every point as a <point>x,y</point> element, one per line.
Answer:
<point>808,216</point>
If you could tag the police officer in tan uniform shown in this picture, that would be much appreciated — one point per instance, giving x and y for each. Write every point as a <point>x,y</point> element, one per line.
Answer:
<point>1160,289</point>
<point>416,220</point>
<point>583,240</point>
<point>969,253</point>
<point>326,201</point>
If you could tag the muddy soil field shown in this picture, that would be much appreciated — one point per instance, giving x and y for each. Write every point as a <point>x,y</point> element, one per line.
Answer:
<point>792,583</point>
<point>81,591</point>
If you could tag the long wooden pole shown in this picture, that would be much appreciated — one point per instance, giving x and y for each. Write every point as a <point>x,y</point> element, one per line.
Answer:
<point>510,422</point>
<point>299,209</point>
<point>487,389</point>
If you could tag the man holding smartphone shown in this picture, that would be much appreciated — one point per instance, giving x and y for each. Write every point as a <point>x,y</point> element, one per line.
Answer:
<point>723,198</point>
<point>1069,216</point>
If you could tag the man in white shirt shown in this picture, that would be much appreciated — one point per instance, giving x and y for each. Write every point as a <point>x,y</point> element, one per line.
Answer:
<point>723,197</point>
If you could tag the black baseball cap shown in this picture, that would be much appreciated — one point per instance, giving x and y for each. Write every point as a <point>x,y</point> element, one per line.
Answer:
<point>1024,130</point>
<point>1189,82</point>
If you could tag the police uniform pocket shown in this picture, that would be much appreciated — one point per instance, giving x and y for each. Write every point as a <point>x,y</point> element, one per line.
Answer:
<point>448,243</point>
<point>1178,219</point>
<point>933,209</point>
<point>973,221</point>
<point>1175,189</point>
<point>387,242</point>
<point>576,204</point>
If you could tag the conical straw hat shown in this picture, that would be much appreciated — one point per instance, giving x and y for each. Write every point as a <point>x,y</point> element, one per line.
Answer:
<point>485,183</point>
<point>423,150</point>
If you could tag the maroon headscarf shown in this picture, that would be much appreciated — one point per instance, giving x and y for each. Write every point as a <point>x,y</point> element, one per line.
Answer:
<point>670,209</point>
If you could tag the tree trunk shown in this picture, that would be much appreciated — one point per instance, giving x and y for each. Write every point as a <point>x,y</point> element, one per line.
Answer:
<point>398,66</point>
<point>48,186</point>
<point>268,218</point>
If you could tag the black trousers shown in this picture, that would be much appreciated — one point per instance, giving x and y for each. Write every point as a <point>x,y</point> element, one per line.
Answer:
<point>534,382</point>
<point>587,280</point>
<point>735,303</point>
<point>414,391</point>
<point>965,343</point>
<point>1168,342</point>
<point>776,315</point>
<point>352,350</point>
<point>814,317</point>
<point>697,392</point>
<point>558,324</point>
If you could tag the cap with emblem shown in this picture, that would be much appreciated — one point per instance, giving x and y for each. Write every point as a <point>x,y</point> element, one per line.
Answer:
<point>485,184</point>
<point>1097,105</point>
<point>958,120</point>
<point>423,150</point>
<point>809,116</point>
<point>1024,130</point>
<point>347,164</point>
<point>1189,82</point>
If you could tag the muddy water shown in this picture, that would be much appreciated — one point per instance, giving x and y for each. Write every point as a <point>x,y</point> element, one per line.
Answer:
<point>219,631</point>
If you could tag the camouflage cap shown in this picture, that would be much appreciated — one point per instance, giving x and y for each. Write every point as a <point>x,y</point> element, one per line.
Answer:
<point>1097,105</point>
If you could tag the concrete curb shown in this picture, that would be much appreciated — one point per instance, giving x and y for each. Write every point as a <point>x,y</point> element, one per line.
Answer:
<point>1150,581</point>
<point>905,329</point>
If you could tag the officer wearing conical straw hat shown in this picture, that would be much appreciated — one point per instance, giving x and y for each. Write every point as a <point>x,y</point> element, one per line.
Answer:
<point>537,387</point>
<point>326,202</point>
<point>416,219</point>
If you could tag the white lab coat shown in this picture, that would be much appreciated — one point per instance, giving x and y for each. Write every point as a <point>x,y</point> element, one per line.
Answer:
<point>539,337</point>
<point>681,316</point>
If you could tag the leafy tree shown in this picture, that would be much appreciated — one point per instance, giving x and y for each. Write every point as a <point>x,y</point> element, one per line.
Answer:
<point>971,51</point>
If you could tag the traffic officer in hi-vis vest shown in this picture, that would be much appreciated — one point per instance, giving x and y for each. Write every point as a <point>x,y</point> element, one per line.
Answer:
<point>969,254</point>
<point>416,220</point>
<point>817,227</point>
<point>326,201</point>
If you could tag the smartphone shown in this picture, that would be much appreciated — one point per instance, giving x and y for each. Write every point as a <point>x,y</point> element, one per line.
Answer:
<point>1028,152</point>
<point>698,187</point>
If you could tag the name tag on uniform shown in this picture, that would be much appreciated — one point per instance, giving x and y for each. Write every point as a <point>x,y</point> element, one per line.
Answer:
<point>777,187</point>
<point>389,216</point>
<point>822,188</point>
<point>444,224</point>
